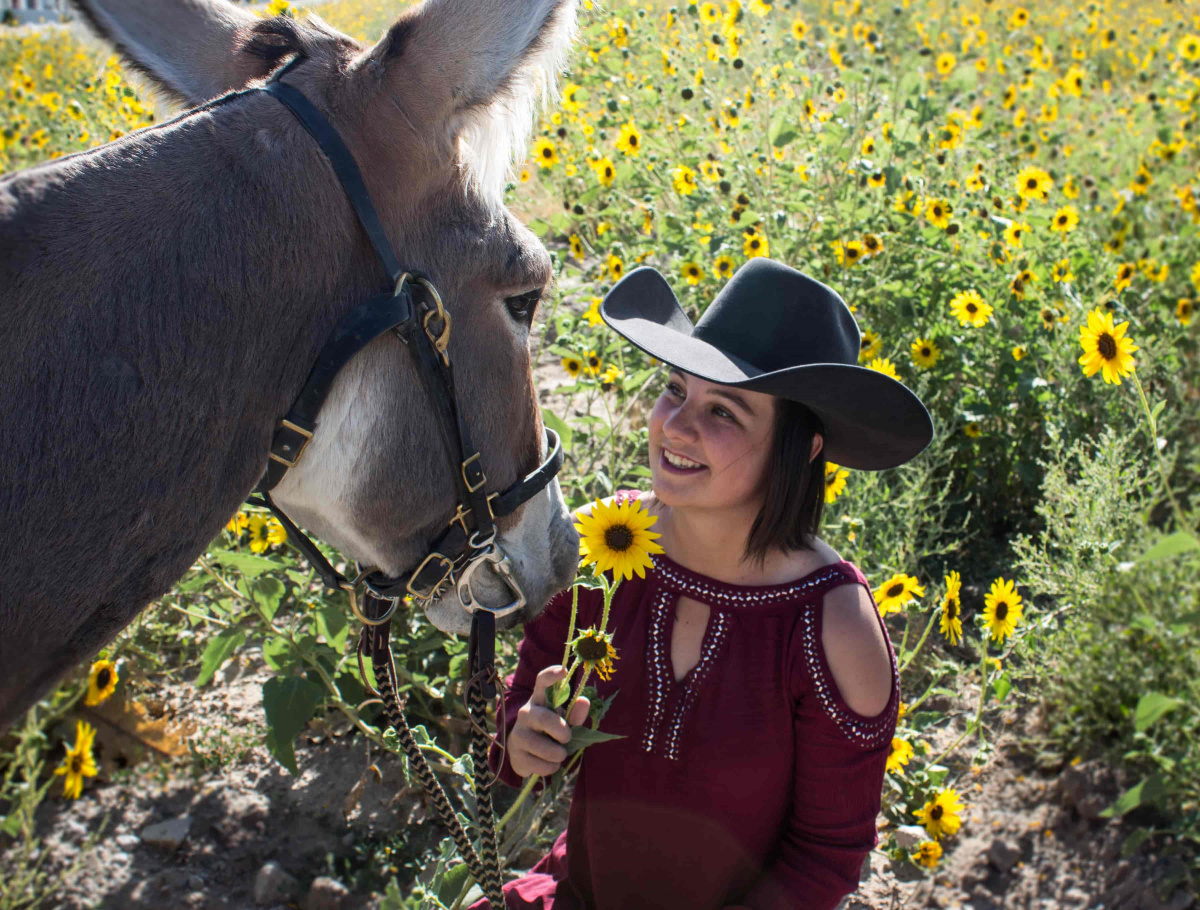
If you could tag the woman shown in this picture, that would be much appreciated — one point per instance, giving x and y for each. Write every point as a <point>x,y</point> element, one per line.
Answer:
<point>756,687</point>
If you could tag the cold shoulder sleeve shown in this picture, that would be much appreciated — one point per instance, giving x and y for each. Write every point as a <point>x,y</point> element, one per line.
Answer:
<point>541,647</point>
<point>838,780</point>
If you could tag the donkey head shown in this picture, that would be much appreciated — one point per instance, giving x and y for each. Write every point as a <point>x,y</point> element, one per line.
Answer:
<point>434,114</point>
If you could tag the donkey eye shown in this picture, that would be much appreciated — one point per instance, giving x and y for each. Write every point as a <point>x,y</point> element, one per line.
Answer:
<point>522,306</point>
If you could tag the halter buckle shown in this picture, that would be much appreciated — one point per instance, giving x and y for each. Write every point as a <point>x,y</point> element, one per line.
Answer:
<point>471,488</point>
<point>460,514</point>
<point>447,574</point>
<point>503,568</point>
<point>305,438</point>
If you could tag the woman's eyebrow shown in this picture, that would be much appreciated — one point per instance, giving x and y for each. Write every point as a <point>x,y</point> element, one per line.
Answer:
<point>736,399</point>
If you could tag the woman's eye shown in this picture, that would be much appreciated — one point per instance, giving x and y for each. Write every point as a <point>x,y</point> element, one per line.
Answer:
<point>522,306</point>
<point>721,412</point>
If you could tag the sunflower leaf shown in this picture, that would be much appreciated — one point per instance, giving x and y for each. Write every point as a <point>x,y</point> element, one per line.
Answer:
<point>1148,791</point>
<point>582,737</point>
<point>554,422</point>
<point>1174,544</point>
<point>1151,707</point>
<point>219,649</point>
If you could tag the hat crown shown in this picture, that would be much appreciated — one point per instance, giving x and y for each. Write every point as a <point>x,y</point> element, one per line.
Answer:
<point>773,317</point>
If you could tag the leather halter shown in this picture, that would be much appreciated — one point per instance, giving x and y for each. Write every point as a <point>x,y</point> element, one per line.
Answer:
<point>412,310</point>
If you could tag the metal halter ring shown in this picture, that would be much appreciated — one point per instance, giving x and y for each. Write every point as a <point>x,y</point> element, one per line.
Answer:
<point>351,589</point>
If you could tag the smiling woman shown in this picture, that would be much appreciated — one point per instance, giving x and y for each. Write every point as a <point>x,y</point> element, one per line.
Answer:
<point>758,687</point>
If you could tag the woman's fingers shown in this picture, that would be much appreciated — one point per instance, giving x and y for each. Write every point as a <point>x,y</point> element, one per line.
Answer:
<point>545,679</point>
<point>579,711</point>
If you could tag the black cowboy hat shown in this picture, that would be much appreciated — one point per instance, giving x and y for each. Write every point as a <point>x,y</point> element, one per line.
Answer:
<point>773,329</point>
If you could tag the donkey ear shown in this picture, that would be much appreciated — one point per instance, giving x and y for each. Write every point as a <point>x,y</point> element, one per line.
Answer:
<point>190,50</point>
<point>482,66</point>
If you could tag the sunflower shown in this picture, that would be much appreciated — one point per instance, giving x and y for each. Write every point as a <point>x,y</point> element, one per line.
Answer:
<point>264,533</point>
<point>1125,273</point>
<point>940,815</point>
<point>709,13</point>
<point>630,140</point>
<point>723,267</point>
<point>868,346</point>
<point>1062,271</point>
<point>1189,47</point>
<point>1019,17</point>
<point>572,365</point>
<point>592,363</point>
<point>884,366</point>
<point>545,153</point>
<point>102,682</point>
<point>605,170</point>
<point>614,267</point>
<point>897,591</point>
<point>937,213</point>
<point>872,245</point>
<point>1002,609</point>
<point>878,179</point>
<point>1065,219</point>
<point>972,429</point>
<point>576,246</point>
<point>592,313</point>
<point>970,308</point>
<point>692,273</point>
<point>945,63</point>
<point>1048,317</point>
<point>1014,232</point>
<point>951,621</point>
<point>899,755</point>
<point>927,854</point>
<point>596,652</point>
<point>238,524</point>
<point>1105,347</point>
<point>835,481</point>
<point>925,353</point>
<point>848,254</point>
<point>1183,310</point>
<point>1034,183</point>
<point>80,762</point>
<point>617,537</point>
<point>756,244</point>
<point>868,145</point>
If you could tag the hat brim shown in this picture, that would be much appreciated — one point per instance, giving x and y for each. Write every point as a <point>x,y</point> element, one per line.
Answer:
<point>872,422</point>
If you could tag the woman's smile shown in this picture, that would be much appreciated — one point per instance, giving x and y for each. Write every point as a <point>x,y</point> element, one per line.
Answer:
<point>679,464</point>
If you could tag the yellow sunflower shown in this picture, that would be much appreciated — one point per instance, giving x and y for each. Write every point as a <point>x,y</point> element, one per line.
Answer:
<point>723,267</point>
<point>596,652</point>
<point>941,815</point>
<point>927,854</point>
<point>835,481</point>
<point>692,273</point>
<point>925,353</point>
<point>605,170</point>
<point>1065,219</point>
<point>970,308</point>
<point>576,243</point>
<point>617,537</point>
<point>1183,310</point>
<point>896,592</point>
<point>868,346</point>
<point>899,755</point>
<point>238,523</point>
<point>264,533</point>
<point>102,682</point>
<point>848,254</point>
<point>683,178</point>
<point>950,624</point>
<point>945,63</point>
<point>614,267</point>
<point>545,154</point>
<point>1034,183</point>
<point>592,363</point>
<point>80,762</point>
<point>572,365</point>
<point>884,366</point>
<point>756,244</point>
<point>630,140</point>
<point>1002,609</point>
<point>937,212</point>
<point>1105,347</point>
<point>592,313</point>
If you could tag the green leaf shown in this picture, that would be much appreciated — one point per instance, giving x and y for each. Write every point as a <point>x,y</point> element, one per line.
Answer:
<point>266,593</point>
<point>1151,707</point>
<point>1158,409</point>
<point>1002,686</point>
<point>452,883</point>
<point>248,564</point>
<point>332,625</point>
<point>554,422</point>
<point>582,737</point>
<point>11,824</point>
<point>557,694</point>
<point>1131,844</point>
<point>936,774</point>
<point>289,703</point>
<point>219,649</point>
<point>277,652</point>
<point>1179,542</point>
<point>1147,792</point>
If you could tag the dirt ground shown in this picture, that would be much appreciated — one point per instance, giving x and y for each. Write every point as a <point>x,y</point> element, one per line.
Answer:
<point>1030,839</point>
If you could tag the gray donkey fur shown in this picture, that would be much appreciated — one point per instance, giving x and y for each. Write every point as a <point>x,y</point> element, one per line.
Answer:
<point>164,296</point>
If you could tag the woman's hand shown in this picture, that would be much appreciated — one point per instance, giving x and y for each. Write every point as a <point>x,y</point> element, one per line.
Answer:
<point>535,743</point>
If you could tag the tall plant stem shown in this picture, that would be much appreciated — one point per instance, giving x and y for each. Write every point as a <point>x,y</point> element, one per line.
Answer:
<point>1162,468</point>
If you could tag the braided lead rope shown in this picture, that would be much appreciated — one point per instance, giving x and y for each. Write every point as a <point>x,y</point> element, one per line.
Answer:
<point>486,873</point>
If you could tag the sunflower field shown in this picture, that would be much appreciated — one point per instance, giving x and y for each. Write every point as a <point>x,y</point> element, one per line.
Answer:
<point>1008,198</point>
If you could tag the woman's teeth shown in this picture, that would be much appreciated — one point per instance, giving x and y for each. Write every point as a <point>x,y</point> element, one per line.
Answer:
<point>679,461</point>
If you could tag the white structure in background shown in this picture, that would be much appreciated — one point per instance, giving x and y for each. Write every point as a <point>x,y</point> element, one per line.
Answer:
<point>34,10</point>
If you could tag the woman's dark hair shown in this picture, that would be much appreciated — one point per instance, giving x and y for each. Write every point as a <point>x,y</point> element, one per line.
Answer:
<point>795,492</point>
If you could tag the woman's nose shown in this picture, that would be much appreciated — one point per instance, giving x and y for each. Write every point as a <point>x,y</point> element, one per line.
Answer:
<point>679,424</point>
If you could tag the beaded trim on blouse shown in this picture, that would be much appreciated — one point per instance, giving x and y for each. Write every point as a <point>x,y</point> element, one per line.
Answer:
<point>665,740</point>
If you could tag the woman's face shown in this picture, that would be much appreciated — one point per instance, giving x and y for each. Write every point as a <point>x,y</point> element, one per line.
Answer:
<point>727,432</point>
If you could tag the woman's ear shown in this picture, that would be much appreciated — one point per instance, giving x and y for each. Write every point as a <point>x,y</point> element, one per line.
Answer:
<point>818,443</point>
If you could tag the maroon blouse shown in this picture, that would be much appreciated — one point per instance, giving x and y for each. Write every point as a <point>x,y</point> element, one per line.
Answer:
<point>748,784</point>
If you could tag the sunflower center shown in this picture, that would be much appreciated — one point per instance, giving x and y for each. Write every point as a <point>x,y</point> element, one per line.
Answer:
<point>952,609</point>
<point>1001,611</point>
<point>77,764</point>
<point>1106,346</point>
<point>102,678</point>
<point>971,308</point>
<point>591,649</point>
<point>1031,184</point>
<point>925,352</point>
<point>618,538</point>
<point>936,813</point>
<point>547,152</point>
<point>895,590</point>
<point>633,140</point>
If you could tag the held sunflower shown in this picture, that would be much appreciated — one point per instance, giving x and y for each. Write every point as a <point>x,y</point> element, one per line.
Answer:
<point>595,652</point>
<point>102,682</point>
<point>618,537</point>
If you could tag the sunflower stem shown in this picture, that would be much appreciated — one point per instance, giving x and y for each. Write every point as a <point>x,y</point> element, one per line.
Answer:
<point>908,659</point>
<point>1162,468</point>
<point>571,625</point>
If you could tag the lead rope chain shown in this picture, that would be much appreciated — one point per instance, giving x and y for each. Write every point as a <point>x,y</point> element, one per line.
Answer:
<point>487,873</point>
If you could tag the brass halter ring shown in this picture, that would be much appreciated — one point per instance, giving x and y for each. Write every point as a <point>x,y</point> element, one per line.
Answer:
<point>351,589</point>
